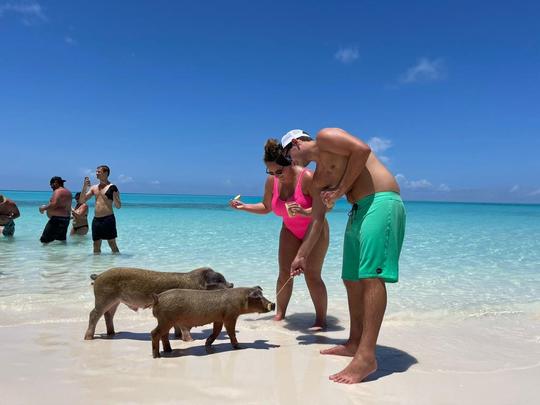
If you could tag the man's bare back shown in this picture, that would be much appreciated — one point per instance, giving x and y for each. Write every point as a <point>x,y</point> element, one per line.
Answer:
<point>373,179</point>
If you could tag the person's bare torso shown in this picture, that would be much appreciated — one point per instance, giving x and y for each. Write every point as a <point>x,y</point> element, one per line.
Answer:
<point>104,206</point>
<point>63,208</point>
<point>373,179</point>
<point>6,208</point>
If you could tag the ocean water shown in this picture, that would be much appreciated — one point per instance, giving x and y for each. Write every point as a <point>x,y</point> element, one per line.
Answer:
<point>458,260</point>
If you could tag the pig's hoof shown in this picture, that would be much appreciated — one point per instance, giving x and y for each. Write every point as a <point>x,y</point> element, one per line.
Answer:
<point>187,338</point>
<point>236,346</point>
<point>156,355</point>
<point>111,333</point>
<point>88,337</point>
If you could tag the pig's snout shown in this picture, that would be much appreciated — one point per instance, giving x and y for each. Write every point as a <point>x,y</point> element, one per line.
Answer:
<point>271,306</point>
<point>230,285</point>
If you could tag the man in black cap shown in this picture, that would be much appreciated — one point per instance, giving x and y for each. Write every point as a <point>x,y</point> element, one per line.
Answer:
<point>59,212</point>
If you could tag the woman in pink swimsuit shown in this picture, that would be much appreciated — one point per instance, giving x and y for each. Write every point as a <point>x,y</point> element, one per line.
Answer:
<point>291,185</point>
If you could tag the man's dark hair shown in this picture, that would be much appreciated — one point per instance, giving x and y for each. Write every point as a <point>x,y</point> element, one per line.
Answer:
<point>305,138</point>
<point>106,168</point>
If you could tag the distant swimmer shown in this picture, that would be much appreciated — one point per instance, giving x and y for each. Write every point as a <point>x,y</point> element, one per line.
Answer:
<point>59,212</point>
<point>8,212</point>
<point>104,222</point>
<point>80,217</point>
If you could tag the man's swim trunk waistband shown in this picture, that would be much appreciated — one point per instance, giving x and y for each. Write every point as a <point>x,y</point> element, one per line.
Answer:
<point>374,237</point>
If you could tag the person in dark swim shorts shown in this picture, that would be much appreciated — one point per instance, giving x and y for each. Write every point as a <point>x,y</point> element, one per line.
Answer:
<point>56,229</point>
<point>104,228</point>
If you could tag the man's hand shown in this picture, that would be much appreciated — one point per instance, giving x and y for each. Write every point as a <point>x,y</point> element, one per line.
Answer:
<point>329,198</point>
<point>86,183</point>
<point>298,266</point>
<point>42,209</point>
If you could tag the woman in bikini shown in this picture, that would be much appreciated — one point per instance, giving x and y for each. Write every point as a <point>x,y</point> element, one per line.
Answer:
<point>80,218</point>
<point>287,193</point>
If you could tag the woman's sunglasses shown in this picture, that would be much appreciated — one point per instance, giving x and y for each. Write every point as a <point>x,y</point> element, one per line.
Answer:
<point>276,173</point>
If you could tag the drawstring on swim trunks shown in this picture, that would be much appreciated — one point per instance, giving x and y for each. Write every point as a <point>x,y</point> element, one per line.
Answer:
<point>352,212</point>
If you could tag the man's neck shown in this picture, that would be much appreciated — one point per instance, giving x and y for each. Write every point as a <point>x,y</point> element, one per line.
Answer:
<point>104,182</point>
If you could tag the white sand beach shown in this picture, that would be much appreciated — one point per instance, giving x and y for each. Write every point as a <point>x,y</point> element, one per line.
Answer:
<point>462,362</point>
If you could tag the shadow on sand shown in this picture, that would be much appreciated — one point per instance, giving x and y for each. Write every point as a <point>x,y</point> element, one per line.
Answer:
<point>301,322</point>
<point>390,360</point>
<point>145,336</point>
<point>202,350</point>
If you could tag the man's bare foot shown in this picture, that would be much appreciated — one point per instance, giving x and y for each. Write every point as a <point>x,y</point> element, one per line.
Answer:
<point>348,350</point>
<point>318,326</point>
<point>279,317</point>
<point>358,369</point>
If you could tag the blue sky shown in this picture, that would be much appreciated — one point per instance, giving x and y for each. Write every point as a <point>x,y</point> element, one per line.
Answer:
<point>179,97</point>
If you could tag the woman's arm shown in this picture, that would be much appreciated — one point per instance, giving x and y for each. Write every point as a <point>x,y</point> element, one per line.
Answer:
<point>264,207</point>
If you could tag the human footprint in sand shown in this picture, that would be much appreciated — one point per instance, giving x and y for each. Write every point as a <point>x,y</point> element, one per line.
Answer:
<point>288,193</point>
<point>373,238</point>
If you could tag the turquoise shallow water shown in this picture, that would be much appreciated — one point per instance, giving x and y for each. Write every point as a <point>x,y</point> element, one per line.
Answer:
<point>458,259</point>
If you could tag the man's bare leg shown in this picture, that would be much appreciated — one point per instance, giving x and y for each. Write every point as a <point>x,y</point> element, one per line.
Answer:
<point>364,362</point>
<point>112,245</point>
<point>354,297</point>
<point>97,247</point>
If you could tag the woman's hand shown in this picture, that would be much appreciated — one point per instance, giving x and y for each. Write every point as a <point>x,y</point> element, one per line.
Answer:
<point>294,209</point>
<point>236,204</point>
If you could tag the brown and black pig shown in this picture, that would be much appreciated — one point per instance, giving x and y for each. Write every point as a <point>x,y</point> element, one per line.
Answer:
<point>135,287</point>
<point>195,308</point>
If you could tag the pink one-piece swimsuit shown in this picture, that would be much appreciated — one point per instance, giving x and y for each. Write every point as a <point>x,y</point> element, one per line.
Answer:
<point>298,224</point>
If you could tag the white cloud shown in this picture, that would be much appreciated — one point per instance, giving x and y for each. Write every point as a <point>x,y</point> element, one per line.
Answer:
<point>443,187</point>
<point>424,71</point>
<point>422,184</point>
<point>31,12</point>
<point>379,144</point>
<point>125,179</point>
<point>347,55</point>
<point>70,41</point>
<point>87,172</point>
<point>155,182</point>
<point>514,189</point>
<point>535,192</point>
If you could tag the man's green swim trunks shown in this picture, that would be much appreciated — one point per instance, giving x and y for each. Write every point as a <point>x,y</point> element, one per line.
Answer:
<point>374,237</point>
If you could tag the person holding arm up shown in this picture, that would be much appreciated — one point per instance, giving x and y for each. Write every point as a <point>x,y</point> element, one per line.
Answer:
<point>104,222</point>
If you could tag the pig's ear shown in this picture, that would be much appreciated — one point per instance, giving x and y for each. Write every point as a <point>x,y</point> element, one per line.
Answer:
<point>212,286</point>
<point>258,287</point>
<point>255,293</point>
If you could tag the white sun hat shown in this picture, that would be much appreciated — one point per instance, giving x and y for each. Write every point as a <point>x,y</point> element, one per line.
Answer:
<point>293,134</point>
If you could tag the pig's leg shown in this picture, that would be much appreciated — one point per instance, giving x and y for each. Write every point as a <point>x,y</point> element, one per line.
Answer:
<point>95,314</point>
<point>215,333</point>
<point>166,344</point>
<point>109,315</point>
<point>156,334</point>
<point>186,336</point>
<point>230,326</point>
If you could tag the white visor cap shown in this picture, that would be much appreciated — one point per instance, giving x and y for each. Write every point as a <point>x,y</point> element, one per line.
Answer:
<point>293,134</point>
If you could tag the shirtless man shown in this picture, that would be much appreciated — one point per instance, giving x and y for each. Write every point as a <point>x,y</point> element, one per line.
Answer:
<point>58,210</point>
<point>346,166</point>
<point>8,212</point>
<point>104,222</point>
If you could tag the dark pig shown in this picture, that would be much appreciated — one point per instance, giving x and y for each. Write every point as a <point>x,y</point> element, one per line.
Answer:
<point>195,308</point>
<point>135,287</point>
